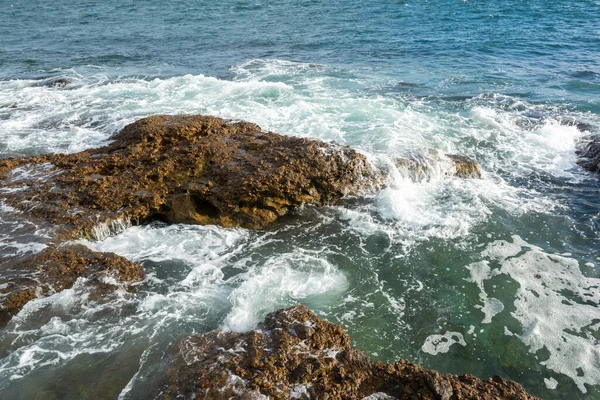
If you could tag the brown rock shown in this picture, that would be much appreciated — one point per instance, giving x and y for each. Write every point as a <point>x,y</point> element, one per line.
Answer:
<point>281,360</point>
<point>465,167</point>
<point>184,169</point>
<point>56,269</point>
<point>189,169</point>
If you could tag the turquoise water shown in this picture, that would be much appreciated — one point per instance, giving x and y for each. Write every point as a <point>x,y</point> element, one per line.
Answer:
<point>438,270</point>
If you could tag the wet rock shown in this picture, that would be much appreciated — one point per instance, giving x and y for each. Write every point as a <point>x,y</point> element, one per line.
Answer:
<point>197,170</point>
<point>184,169</point>
<point>58,82</point>
<point>589,153</point>
<point>280,360</point>
<point>424,165</point>
<point>464,167</point>
<point>56,269</point>
<point>582,126</point>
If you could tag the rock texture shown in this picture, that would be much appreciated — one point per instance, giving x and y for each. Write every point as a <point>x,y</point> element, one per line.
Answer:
<point>56,269</point>
<point>295,355</point>
<point>186,169</point>
<point>195,169</point>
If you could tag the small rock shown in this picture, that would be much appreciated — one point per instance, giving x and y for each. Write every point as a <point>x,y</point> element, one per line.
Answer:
<point>59,82</point>
<point>57,269</point>
<point>589,153</point>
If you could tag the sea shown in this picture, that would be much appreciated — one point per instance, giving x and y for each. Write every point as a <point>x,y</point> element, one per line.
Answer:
<point>491,276</point>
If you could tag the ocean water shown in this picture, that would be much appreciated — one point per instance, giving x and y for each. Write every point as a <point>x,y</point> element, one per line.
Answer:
<point>492,276</point>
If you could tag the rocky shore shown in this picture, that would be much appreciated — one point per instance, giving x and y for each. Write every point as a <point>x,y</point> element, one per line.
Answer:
<point>184,169</point>
<point>190,169</point>
<point>293,354</point>
<point>194,169</point>
<point>205,170</point>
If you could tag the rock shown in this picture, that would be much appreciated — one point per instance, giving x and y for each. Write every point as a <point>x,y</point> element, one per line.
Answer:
<point>56,269</point>
<point>423,165</point>
<point>280,360</point>
<point>189,169</point>
<point>58,82</point>
<point>464,167</point>
<point>184,169</point>
<point>582,126</point>
<point>589,153</point>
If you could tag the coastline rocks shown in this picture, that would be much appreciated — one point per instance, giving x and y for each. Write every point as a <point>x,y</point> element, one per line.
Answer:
<point>198,170</point>
<point>294,354</point>
<point>57,269</point>
<point>184,169</point>
<point>589,154</point>
<point>464,167</point>
<point>189,169</point>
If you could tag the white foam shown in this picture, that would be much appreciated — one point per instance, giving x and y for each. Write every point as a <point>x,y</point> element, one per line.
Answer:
<point>59,339</point>
<point>555,305</point>
<point>491,306</point>
<point>551,383</point>
<point>192,244</point>
<point>279,281</point>
<point>300,391</point>
<point>14,248</point>
<point>546,145</point>
<point>435,344</point>
<point>186,296</point>
<point>379,396</point>
<point>438,205</point>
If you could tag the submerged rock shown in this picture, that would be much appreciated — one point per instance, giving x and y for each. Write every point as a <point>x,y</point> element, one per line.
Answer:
<point>582,126</point>
<point>294,354</point>
<point>57,269</point>
<point>424,165</point>
<point>184,169</point>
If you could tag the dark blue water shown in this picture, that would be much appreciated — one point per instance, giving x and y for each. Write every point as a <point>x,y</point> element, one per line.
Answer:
<point>544,50</point>
<point>513,84</point>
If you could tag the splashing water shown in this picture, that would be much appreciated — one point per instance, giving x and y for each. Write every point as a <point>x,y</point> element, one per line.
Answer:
<point>485,276</point>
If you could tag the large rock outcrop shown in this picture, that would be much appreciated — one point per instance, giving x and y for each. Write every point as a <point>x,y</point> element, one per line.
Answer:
<point>57,269</point>
<point>294,354</point>
<point>186,169</point>
<point>193,169</point>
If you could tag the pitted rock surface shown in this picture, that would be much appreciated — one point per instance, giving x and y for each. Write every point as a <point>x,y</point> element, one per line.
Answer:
<point>184,169</point>
<point>57,269</point>
<point>294,354</point>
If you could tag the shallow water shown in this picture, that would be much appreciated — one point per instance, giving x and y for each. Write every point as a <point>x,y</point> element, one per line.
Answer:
<point>440,271</point>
